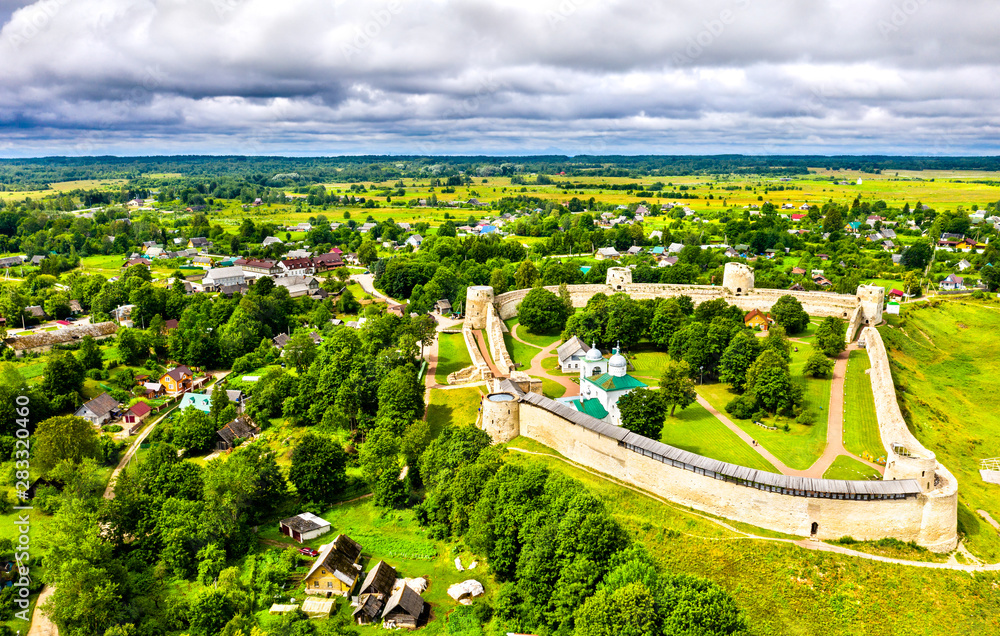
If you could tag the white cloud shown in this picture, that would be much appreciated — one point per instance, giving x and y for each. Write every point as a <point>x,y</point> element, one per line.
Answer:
<point>471,76</point>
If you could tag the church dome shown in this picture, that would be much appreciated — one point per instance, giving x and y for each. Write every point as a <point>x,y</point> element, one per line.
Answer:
<point>617,365</point>
<point>594,355</point>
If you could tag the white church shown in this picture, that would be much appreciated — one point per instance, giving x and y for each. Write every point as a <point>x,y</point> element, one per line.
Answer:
<point>602,383</point>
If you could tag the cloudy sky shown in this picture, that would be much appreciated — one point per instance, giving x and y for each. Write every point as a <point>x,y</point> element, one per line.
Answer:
<point>85,77</point>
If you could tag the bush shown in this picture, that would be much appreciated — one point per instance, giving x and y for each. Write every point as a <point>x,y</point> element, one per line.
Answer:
<point>114,428</point>
<point>97,374</point>
<point>741,407</point>
<point>818,366</point>
<point>806,417</point>
<point>847,540</point>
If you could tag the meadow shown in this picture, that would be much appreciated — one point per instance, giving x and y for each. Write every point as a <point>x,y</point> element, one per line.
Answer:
<point>861,432</point>
<point>696,430</point>
<point>452,356</point>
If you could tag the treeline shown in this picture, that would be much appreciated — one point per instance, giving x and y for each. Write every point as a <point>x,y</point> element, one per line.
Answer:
<point>564,564</point>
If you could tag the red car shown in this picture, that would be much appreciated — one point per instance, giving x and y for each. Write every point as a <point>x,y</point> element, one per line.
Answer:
<point>309,552</point>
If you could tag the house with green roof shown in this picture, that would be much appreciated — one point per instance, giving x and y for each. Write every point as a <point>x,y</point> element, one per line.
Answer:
<point>602,384</point>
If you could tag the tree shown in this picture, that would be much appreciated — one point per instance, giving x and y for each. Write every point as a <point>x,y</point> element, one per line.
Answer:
<point>379,460</point>
<point>526,275</point>
<point>498,281</point>
<point>300,350</point>
<point>676,387</point>
<point>831,336</point>
<point>401,396</point>
<point>63,376</point>
<point>667,319</point>
<point>368,253</point>
<point>737,358</point>
<point>347,304</point>
<point>818,365</point>
<point>541,311</point>
<point>132,345</point>
<point>833,221</point>
<point>643,412</point>
<point>195,431</point>
<point>769,382</point>
<point>917,255</point>
<point>89,354</point>
<point>788,313</point>
<point>991,276</point>
<point>63,438</point>
<point>318,469</point>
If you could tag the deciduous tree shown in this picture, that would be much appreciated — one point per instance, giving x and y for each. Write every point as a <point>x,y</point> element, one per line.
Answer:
<point>643,412</point>
<point>676,386</point>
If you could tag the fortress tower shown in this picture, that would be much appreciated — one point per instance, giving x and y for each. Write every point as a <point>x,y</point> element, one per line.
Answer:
<point>619,277</point>
<point>476,300</point>
<point>501,417</point>
<point>738,279</point>
<point>872,301</point>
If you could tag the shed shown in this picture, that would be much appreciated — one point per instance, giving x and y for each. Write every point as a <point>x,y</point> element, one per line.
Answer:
<point>304,526</point>
<point>374,593</point>
<point>404,609</point>
<point>318,607</point>
<point>239,429</point>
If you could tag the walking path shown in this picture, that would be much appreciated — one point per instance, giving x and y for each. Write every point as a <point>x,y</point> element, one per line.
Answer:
<point>40,623</point>
<point>536,369</point>
<point>484,350</point>
<point>807,544</point>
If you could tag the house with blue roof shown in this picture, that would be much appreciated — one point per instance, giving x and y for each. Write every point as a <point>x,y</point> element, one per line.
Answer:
<point>198,401</point>
<point>487,229</point>
<point>657,250</point>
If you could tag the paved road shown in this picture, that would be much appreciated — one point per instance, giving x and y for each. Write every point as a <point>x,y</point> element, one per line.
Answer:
<point>367,282</point>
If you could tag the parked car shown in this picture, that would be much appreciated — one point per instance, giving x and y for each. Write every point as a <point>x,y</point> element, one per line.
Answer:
<point>309,552</point>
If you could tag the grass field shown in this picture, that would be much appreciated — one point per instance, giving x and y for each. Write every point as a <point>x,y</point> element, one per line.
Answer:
<point>944,364</point>
<point>452,407</point>
<point>519,352</point>
<point>552,389</point>
<point>798,448</point>
<point>452,356</point>
<point>696,430</point>
<point>860,424</point>
<point>849,468</point>
<point>648,362</point>
<point>539,340</point>
<point>785,590</point>
<point>551,364</point>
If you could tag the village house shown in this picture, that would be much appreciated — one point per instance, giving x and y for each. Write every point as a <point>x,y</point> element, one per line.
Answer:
<point>303,527</point>
<point>953,282</point>
<point>177,380</point>
<point>298,285</point>
<point>964,265</point>
<point>415,241</point>
<point>606,253</point>
<point>198,243</point>
<point>99,411</point>
<point>374,593</point>
<point>572,354</point>
<point>404,608</point>
<point>260,267</point>
<point>757,319</point>
<point>271,240</point>
<point>198,401</point>
<point>134,417</point>
<point>204,262</point>
<point>296,267</point>
<point>219,277</point>
<point>336,569</point>
<point>239,429</point>
<point>443,306</point>
<point>326,262</point>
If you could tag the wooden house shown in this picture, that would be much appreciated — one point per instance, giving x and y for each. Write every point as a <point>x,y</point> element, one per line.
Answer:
<point>239,429</point>
<point>374,593</point>
<point>99,411</point>
<point>756,319</point>
<point>136,414</point>
<point>304,527</point>
<point>336,569</point>
<point>404,608</point>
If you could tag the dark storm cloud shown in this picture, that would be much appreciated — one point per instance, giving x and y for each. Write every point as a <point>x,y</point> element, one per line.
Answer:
<point>336,76</point>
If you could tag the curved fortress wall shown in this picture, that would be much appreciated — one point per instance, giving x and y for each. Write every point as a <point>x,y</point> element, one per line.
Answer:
<point>917,500</point>
<point>827,509</point>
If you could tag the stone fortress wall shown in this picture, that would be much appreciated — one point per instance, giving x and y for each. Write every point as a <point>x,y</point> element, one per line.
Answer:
<point>494,334</point>
<point>928,518</point>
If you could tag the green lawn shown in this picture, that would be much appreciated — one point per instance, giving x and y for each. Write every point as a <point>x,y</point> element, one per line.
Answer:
<point>453,355</point>
<point>539,340</point>
<point>452,407</point>
<point>552,389</point>
<point>798,448</point>
<point>696,430</point>
<point>860,424</point>
<point>551,364</point>
<point>648,361</point>
<point>845,467</point>
<point>519,352</point>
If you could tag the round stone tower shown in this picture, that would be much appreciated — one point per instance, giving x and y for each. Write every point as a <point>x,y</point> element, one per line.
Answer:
<point>738,278</point>
<point>476,300</point>
<point>619,277</point>
<point>501,417</point>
